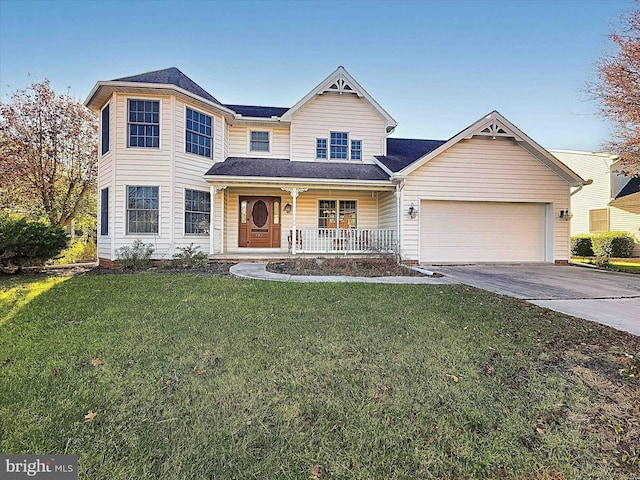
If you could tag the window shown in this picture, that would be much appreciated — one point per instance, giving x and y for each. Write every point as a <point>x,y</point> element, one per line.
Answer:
<point>599,220</point>
<point>347,211</point>
<point>197,208</point>
<point>198,133</point>
<point>339,145</point>
<point>105,129</point>
<point>104,211</point>
<point>142,209</point>
<point>144,123</point>
<point>321,148</point>
<point>356,149</point>
<point>259,141</point>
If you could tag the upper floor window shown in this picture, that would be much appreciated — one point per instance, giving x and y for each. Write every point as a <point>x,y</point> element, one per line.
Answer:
<point>321,148</point>
<point>142,209</point>
<point>105,129</point>
<point>339,145</point>
<point>198,133</point>
<point>197,211</point>
<point>356,149</point>
<point>259,141</point>
<point>144,123</point>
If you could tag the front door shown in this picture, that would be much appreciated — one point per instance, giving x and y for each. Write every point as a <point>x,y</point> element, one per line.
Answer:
<point>259,222</point>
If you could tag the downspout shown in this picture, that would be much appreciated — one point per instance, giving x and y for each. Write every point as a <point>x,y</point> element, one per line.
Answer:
<point>398,192</point>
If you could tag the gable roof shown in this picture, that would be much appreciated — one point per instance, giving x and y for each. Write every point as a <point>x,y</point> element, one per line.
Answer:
<point>402,152</point>
<point>281,168</point>
<point>495,125</point>
<point>257,111</point>
<point>170,76</point>
<point>341,82</point>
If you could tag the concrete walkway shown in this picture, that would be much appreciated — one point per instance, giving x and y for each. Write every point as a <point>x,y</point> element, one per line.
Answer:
<point>258,271</point>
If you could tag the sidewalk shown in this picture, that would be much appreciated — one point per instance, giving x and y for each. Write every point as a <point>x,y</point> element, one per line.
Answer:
<point>257,271</point>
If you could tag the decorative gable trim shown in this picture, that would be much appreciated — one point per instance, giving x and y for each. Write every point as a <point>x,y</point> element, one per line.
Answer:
<point>495,125</point>
<point>341,82</point>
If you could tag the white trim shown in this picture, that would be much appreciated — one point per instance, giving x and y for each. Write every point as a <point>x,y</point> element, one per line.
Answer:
<point>322,87</point>
<point>337,200</point>
<point>213,120</point>
<point>261,152</point>
<point>184,212</point>
<point>126,209</point>
<point>227,180</point>
<point>126,124</point>
<point>555,165</point>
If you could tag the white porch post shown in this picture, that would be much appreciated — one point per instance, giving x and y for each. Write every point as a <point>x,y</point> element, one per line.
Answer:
<point>213,191</point>
<point>294,192</point>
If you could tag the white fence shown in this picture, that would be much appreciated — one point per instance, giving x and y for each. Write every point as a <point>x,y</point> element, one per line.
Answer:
<point>343,240</point>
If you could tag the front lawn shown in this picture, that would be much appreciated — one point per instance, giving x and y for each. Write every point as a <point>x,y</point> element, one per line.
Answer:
<point>196,377</point>
<point>626,265</point>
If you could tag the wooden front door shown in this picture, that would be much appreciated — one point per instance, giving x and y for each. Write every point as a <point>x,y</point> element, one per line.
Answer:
<point>259,220</point>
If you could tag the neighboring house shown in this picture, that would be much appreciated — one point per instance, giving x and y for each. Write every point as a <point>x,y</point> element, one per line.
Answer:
<point>177,166</point>
<point>611,203</point>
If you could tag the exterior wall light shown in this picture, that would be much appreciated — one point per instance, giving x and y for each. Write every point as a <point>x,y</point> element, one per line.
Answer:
<point>565,215</point>
<point>287,208</point>
<point>413,211</point>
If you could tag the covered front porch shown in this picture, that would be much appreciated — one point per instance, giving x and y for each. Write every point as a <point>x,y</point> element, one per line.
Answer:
<point>272,221</point>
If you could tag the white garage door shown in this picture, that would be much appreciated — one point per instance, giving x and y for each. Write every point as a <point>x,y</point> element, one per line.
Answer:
<point>482,232</point>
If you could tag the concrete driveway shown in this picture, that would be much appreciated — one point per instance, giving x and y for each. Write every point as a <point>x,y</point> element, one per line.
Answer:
<point>609,298</point>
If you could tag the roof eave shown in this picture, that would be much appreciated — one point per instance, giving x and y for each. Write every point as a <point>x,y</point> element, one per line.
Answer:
<point>158,86</point>
<point>278,181</point>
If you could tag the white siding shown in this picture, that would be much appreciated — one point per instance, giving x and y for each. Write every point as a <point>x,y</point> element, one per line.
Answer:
<point>239,142</point>
<point>106,180</point>
<point>387,211</point>
<point>488,170</point>
<point>338,113</point>
<point>307,211</point>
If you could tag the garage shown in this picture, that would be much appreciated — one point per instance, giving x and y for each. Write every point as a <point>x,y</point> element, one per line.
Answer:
<point>459,231</point>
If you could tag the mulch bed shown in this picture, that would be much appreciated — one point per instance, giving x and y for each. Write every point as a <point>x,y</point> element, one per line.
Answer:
<point>355,267</point>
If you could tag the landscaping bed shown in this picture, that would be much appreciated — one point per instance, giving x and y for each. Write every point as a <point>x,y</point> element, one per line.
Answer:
<point>626,265</point>
<point>355,267</point>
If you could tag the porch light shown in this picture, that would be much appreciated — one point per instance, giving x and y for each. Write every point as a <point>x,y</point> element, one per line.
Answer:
<point>287,208</point>
<point>565,215</point>
<point>413,211</point>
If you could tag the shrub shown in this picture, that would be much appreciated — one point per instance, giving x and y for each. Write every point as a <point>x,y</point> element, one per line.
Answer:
<point>190,257</point>
<point>135,256</point>
<point>612,244</point>
<point>24,242</point>
<point>581,246</point>
<point>80,251</point>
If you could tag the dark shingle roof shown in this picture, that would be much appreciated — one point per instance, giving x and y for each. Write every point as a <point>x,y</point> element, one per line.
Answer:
<point>632,186</point>
<point>257,111</point>
<point>402,152</point>
<point>171,76</point>
<point>283,168</point>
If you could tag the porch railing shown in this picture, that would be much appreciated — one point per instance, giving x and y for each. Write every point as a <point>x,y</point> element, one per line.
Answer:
<point>343,240</point>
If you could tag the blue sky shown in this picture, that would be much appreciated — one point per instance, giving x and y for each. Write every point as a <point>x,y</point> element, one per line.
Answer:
<point>435,66</point>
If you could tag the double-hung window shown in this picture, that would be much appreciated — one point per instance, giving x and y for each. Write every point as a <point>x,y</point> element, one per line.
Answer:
<point>104,211</point>
<point>321,148</point>
<point>339,145</point>
<point>198,133</point>
<point>197,212</point>
<point>142,209</point>
<point>259,141</point>
<point>105,129</point>
<point>144,123</point>
<point>356,149</point>
<point>337,214</point>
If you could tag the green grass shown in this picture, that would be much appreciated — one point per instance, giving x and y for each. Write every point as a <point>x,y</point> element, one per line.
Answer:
<point>205,377</point>
<point>627,265</point>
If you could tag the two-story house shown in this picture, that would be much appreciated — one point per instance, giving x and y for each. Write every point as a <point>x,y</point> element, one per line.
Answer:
<point>611,203</point>
<point>178,166</point>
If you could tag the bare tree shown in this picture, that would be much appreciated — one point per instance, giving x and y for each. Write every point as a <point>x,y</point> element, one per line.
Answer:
<point>48,153</point>
<point>618,91</point>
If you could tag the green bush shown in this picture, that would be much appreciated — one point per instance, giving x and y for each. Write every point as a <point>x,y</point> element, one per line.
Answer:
<point>581,246</point>
<point>135,256</point>
<point>612,244</point>
<point>80,251</point>
<point>24,242</point>
<point>190,257</point>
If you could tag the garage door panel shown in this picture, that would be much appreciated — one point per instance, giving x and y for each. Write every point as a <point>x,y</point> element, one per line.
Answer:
<point>482,231</point>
